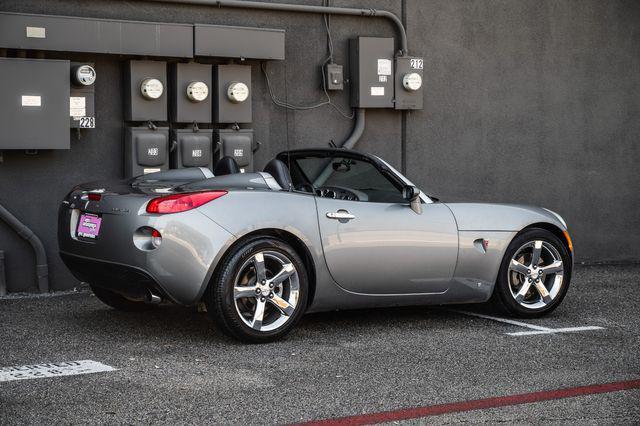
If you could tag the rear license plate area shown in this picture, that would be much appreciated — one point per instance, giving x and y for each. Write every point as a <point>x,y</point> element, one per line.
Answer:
<point>88,226</point>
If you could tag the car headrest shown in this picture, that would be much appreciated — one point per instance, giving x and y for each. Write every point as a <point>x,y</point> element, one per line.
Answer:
<point>280,173</point>
<point>226,166</point>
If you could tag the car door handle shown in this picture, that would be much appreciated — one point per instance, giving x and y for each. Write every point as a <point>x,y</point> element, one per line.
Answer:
<point>340,215</point>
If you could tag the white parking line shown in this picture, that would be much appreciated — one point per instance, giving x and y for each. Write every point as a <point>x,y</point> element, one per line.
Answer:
<point>536,329</point>
<point>54,369</point>
<point>556,330</point>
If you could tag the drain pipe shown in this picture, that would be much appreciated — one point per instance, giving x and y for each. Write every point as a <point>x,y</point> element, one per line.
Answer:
<point>42,270</point>
<point>301,8</point>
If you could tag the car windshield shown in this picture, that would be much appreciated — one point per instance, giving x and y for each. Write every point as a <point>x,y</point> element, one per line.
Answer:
<point>356,175</point>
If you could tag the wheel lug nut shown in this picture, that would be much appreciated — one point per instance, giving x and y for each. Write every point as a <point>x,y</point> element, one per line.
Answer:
<point>258,291</point>
<point>529,279</point>
<point>528,271</point>
<point>271,295</point>
<point>262,299</point>
<point>264,281</point>
<point>270,285</point>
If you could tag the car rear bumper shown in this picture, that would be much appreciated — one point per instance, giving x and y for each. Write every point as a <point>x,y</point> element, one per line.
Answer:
<point>179,269</point>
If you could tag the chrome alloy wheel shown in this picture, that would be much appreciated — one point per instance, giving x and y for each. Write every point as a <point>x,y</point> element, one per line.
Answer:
<point>535,274</point>
<point>266,290</point>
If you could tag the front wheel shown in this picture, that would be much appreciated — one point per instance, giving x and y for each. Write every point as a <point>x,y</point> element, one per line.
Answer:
<point>534,275</point>
<point>260,291</point>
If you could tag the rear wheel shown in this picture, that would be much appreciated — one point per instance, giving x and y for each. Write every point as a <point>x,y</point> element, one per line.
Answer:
<point>118,301</point>
<point>260,291</point>
<point>534,274</point>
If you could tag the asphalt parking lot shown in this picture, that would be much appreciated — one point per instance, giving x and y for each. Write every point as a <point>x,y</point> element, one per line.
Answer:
<point>172,366</point>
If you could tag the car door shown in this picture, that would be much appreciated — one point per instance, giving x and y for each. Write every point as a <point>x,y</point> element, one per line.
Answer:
<point>386,248</point>
<point>373,242</point>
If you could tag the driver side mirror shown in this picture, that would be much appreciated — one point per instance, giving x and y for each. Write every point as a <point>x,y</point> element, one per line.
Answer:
<point>412,194</point>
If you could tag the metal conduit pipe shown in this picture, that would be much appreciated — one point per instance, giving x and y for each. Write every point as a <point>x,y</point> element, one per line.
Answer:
<point>284,7</point>
<point>42,268</point>
<point>358,130</point>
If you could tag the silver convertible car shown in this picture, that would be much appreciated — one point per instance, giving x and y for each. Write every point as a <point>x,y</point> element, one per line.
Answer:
<point>317,230</point>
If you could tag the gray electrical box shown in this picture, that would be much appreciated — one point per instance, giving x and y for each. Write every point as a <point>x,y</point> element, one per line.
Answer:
<point>371,71</point>
<point>409,82</point>
<point>233,94</point>
<point>191,93</point>
<point>75,34</point>
<point>192,149</point>
<point>145,91</point>
<point>334,78</point>
<point>237,144</point>
<point>238,42</point>
<point>145,150</point>
<point>34,103</point>
<point>82,112</point>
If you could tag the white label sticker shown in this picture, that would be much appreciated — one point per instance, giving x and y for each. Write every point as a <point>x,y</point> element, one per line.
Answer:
<point>417,63</point>
<point>238,152</point>
<point>77,106</point>
<point>54,369</point>
<point>87,122</point>
<point>28,100</point>
<point>382,78</point>
<point>377,91</point>
<point>384,67</point>
<point>36,32</point>
<point>196,153</point>
<point>146,171</point>
<point>153,152</point>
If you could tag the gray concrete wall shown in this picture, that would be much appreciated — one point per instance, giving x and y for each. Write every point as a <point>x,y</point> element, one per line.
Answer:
<point>525,101</point>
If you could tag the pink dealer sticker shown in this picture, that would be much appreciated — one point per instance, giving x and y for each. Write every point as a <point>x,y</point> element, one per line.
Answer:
<point>89,226</point>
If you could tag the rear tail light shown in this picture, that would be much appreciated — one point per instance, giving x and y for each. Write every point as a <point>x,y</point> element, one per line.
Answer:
<point>176,203</point>
<point>95,197</point>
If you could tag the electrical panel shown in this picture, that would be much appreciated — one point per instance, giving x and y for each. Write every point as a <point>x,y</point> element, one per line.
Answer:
<point>191,93</point>
<point>372,73</point>
<point>409,93</point>
<point>34,104</point>
<point>82,97</point>
<point>237,144</point>
<point>145,91</point>
<point>233,94</point>
<point>192,149</point>
<point>145,150</point>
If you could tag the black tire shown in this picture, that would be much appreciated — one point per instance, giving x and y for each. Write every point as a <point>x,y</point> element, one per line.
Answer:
<point>119,302</point>
<point>503,298</point>
<point>220,300</point>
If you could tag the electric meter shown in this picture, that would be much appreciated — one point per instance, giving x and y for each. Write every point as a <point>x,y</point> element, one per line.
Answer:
<point>83,75</point>
<point>412,81</point>
<point>237,92</point>
<point>197,91</point>
<point>151,88</point>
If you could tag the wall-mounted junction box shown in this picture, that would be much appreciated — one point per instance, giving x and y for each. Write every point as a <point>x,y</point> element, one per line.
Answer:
<point>82,112</point>
<point>34,103</point>
<point>193,149</point>
<point>371,72</point>
<point>238,42</point>
<point>334,77</point>
<point>237,144</point>
<point>408,82</point>
<point>233,94</point>
<point>191,93</point>
<point>145,150</point>
<point>145,91</point>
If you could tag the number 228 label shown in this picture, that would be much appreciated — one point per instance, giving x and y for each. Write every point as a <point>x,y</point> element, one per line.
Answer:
<point>87,122</point>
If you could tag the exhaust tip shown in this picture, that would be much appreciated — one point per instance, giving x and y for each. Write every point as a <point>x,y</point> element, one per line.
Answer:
<point>152,298</point>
